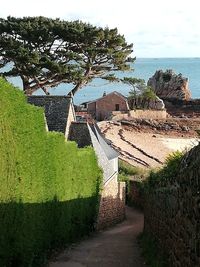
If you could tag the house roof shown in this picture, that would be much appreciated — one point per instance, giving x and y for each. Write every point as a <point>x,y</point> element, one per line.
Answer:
<point>56,110</point>
<point>108,150</point>
<point>115,92</point>
<point>80,133</point>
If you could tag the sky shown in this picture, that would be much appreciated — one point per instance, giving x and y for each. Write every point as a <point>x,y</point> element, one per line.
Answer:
<point>156,28</point>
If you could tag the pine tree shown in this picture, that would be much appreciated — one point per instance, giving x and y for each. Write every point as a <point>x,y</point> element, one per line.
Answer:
<point>45,52</point>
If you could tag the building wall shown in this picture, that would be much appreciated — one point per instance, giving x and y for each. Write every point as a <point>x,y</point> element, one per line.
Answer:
<point>107,104</point>
<point>92,109</point>
<point>71,118</point>
<point>79,133</point>
<point>56,110</point>
<point>112,204</point>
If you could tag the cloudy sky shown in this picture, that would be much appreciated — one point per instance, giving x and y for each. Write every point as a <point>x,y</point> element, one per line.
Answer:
<point>156,28</point>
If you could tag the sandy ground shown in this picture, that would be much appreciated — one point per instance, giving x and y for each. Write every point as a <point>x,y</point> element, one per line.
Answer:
<point>144,149</point>
<point>115,247</point>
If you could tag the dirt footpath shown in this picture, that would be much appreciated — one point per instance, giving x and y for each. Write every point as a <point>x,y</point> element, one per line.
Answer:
<point>115,247</point>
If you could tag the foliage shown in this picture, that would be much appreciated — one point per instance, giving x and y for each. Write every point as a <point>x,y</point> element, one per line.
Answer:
<point>140,94</point>
<point>129,170</point>
<point>137,85</point>
<point>49,188</point>
<point>148,94</point>
<point>168,172</point>
<point>151,251</point>
<point>45,52</point>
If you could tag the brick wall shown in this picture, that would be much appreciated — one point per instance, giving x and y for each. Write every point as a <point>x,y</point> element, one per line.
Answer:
<point>172,213</point>
<point>112,204</point>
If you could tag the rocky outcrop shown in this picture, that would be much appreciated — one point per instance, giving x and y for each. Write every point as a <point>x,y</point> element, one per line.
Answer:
<point>157,104</point>
<point>168,85</point>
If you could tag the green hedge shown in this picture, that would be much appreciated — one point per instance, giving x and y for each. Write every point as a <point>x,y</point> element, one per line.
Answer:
<point>49,188</point>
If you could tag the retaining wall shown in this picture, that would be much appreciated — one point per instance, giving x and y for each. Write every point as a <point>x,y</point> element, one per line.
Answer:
<point>172,213</point>
<point>140,114</point>
<point>112,204</point>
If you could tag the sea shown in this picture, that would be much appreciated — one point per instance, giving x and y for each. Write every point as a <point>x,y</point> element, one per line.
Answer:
<point>143,68</point>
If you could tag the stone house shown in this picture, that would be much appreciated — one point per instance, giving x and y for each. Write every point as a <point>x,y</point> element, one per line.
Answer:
<point>102,108</point>
<point>60,116</point>
<point>59,111</point>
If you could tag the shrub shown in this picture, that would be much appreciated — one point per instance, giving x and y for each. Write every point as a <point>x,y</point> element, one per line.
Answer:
<point>168,172</point>
<point>130,170</point>
<point>49,188</point>
<point>151,252</point>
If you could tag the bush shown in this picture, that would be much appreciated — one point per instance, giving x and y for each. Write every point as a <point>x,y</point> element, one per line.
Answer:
<point>49,188</point>
<point>151,252</point>
<point>168,172</point>
<point>127,169</point>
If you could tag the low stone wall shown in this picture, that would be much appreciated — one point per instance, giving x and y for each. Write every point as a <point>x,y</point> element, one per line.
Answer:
<point>140,114</point>
<point>150,114</point>
<point>112,204</point>
<point>135,196</point>
<point>172,213</point>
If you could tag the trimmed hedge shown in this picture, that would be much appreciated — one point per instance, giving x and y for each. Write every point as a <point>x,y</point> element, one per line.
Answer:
<point>49,188</point>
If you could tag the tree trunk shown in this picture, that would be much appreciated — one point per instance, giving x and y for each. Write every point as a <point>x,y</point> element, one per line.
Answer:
<point>75,89</point>
<point>45,90</point>
<point>80,84</point>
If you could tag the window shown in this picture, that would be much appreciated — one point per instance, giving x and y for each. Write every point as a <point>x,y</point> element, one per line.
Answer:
<point>116,107</point>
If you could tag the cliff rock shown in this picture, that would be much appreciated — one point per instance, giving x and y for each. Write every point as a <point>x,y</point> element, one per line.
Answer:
<point>170,85</point>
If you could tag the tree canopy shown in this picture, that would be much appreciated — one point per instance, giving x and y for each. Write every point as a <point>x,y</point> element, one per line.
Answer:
<point>45,52</point>
<point>140,94</point>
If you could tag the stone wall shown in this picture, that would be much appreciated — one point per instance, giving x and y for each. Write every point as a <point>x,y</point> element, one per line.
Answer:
<point>150,114</point>
<point>172,213</point>
<point>112,204</point>
<point>79,133</point>
<point>135,195</point>
<point>56,109</point>
<point>140,114</point>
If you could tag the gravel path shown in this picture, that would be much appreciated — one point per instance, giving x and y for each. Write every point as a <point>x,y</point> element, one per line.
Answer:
<point>115,247</point>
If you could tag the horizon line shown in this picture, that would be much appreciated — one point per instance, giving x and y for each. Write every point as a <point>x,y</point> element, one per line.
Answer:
<point>198,57</point>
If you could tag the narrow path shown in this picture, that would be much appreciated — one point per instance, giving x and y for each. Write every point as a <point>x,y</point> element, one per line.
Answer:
<point>115,247</point>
